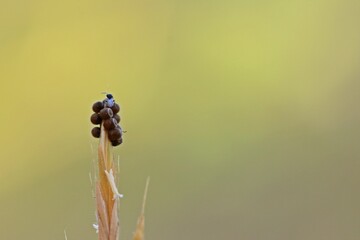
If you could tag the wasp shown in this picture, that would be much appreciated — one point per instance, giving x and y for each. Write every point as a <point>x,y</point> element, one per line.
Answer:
<point>109,101</point>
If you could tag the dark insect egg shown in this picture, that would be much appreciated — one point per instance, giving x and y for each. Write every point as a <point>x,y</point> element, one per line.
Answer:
<point>115,133</point>
<point>117,142</point>
<point>97,106</point>
<point>115,108</point>
<point>95,118</point>
<point>96,132</point>
<point>106,113</point>
<point>117,118</point>
<point>110,123</point>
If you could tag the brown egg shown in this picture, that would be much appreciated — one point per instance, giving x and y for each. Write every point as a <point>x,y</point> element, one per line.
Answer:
<point>115,133</point>
<point>117,142</point>
<point>117,117</point>
<point>96,132</point>
<point>95,118</point>
<point>115,108</point>
<point>110,123</point>
<point>97,106</point>
<point>106,113</point>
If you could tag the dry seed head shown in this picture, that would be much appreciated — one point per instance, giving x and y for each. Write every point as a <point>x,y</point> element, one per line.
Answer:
<point>107,194</point>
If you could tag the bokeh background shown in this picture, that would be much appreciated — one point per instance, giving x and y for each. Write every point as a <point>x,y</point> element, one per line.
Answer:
<point>244,114</point>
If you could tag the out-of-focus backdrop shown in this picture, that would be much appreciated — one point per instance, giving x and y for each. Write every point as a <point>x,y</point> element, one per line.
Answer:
<point>244,114</point>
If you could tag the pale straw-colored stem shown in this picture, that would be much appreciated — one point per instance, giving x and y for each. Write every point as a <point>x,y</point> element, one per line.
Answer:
<point>107,196</point>
<point>139,232</point>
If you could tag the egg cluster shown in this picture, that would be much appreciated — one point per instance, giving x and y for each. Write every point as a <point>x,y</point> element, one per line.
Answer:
<point>107,117</point>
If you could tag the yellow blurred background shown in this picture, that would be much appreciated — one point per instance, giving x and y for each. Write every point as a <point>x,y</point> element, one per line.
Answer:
<point>243,113</point>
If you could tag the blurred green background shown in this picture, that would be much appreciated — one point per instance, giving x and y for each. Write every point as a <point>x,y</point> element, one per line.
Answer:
<point>243,113</point>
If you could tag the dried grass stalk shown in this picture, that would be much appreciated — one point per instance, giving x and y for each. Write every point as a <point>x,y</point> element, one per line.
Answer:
<point>107,196</point>
<point>139,232</point>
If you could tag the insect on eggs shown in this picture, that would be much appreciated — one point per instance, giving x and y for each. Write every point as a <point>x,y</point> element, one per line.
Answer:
<point>106,114</point>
